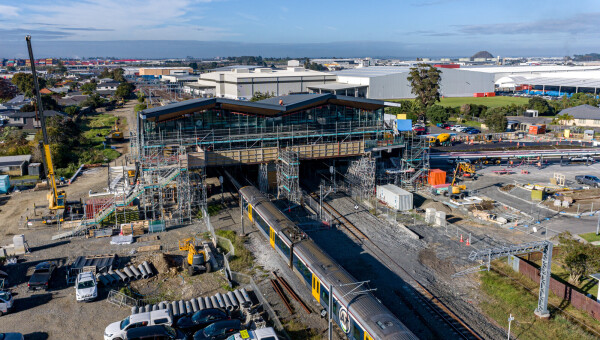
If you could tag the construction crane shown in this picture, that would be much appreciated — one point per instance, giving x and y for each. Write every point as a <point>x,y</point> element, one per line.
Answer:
<point>197,258</point>
<point>56,198</point>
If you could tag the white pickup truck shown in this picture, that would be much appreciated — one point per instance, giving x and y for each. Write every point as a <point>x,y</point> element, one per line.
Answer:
<point>6,302</point>
<point>258,334</point>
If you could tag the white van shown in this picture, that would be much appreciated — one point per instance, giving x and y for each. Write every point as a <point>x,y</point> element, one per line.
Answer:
<point>117,330</point>
<point>258,334</point>
<point>86,287</point>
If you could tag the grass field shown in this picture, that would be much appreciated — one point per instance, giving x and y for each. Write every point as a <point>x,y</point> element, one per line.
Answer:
<point>487,101</point>
<point>506,296</point>
<point>590,237</point>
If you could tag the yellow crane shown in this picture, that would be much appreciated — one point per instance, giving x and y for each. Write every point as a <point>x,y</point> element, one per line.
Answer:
<point>57,199</point>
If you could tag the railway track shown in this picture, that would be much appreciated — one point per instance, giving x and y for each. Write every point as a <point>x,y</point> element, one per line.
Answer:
<point>431,303</point>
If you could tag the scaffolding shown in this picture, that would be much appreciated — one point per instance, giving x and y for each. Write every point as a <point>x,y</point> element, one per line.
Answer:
<point>415,163</point>
<point>288,180</point>
<point>361,177</point>
<point>263,177</point>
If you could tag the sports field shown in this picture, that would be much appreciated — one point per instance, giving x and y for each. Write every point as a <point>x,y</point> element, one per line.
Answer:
<point>487,101</point>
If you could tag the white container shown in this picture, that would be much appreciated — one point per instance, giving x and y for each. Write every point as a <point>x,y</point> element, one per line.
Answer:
<point>440,218</point>
<point>429,215</point>
<point>395,197</point>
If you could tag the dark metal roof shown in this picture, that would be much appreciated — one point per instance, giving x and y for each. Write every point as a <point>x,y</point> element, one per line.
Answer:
<point>583,112</point>
<point>267,107</point>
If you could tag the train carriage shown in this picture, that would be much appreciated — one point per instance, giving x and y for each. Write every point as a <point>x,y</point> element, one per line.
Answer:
<point>360,315</point>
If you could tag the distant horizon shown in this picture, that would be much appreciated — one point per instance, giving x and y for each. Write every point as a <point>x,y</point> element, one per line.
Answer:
<point>180,49</point>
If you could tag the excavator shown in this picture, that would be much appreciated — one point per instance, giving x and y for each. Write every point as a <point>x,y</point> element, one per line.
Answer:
<point>463,171</point>
<point>57,199</point>
<point>197,259</point>
<point>115,134</point>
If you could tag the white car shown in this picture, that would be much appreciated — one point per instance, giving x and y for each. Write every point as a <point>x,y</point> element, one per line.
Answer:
<point>86,287</point>
<point>258,334</point>
<point>117,330</point>
<point>456,127</point>
<point>6,302</point>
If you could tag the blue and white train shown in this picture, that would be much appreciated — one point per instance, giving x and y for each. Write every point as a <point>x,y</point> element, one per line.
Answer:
<point>361,316</point>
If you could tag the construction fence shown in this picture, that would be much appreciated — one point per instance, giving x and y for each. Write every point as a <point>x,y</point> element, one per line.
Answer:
<point>562,290</point>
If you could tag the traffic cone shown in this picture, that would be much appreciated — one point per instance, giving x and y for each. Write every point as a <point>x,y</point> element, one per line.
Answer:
<point>461,238</point>
<point>468,243</point>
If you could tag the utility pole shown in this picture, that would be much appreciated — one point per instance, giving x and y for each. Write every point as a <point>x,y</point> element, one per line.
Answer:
<point>510,319</point>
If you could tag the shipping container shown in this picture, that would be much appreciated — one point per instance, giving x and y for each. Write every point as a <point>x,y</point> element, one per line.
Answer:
<point>478,94</point>
<point>436,177</point>
<point>490,94</point>
<point>4,184</point>
<point>395,197</point>
<point>537,129</point>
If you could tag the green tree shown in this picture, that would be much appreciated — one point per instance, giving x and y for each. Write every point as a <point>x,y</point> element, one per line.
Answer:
<point>579,259</point>
<point>88,88</point>
<point>7,90</point>
<point>541,105</point>
<point>425,85</point>
<point>48,102</point>
<point>124,90</point>
<point>94,101</point>
<point>72,110</point>
<point>437,114</point>
<point>194,66</point>
<point>140,107</point>
<point>140,96</point>
<point>24,82</point>
<point>496,121</point>
<point>260,96</point>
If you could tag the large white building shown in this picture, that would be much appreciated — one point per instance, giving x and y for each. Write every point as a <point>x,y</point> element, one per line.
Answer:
<point>242,83</point>
<point>390,82</point>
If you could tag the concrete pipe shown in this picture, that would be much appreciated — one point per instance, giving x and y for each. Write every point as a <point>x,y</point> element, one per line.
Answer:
<point>143,271</point>
<point>201,305</point>
<point>215,304</point>
<point>188,307</point>
<point>246,296</point>
<point>129,274</point>
<point>122,275</point>
<point>116,278</point>
<point>232,299</point>
<point>135,272</point>
<point>108,278</point>
<point>155,307</point>
<point>194,305</point>
<point>239,297</point>
<point>142,309</point>
<point>220,301</point>
<point>207,302</point>
<point>134,310</point>
<point>182,310</point>
<point>227,302</point>
<point>175,307</point>
<point>148,268</point>
<point>105,282</point>
<point>169,308</point>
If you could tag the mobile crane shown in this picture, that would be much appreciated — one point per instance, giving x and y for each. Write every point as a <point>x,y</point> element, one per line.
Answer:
<point>57,199</point>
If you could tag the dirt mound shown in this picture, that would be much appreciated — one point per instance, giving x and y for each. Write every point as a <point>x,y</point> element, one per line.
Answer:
<point>438,206</point>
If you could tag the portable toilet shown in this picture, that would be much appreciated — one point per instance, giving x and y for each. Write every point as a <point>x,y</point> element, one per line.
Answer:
<point>4,184</point>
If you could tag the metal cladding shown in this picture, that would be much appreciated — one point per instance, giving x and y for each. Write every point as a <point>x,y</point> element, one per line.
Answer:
<point>135,272</point>
<point>148,268</point>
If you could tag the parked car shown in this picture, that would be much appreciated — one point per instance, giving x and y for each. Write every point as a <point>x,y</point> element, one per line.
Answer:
<point>592,181</point>
<point>581,159</point>
<point>456,127</point>
<point>449,127</point>
<point>158,332</point>
<point>472,131</point>
<point>6,302</point>
<point>219,330</point>
<point>420,130</point>
<point>40,279</point>
<point>201,319</point>
<point>117,330</point>
<point>11,336</point>
<point>442,125</point>
<point>259,334</point>
<point>86,287</point>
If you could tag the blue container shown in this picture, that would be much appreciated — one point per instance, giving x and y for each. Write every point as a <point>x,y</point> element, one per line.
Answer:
<point>4,184</point>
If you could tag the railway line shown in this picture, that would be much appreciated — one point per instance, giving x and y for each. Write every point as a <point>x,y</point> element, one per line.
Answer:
<point>436,307</point>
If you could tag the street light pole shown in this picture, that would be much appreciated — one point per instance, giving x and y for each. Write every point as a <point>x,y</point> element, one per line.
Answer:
<point>510,319</point>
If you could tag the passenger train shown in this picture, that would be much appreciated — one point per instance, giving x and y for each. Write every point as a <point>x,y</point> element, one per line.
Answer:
<point>360,315</point>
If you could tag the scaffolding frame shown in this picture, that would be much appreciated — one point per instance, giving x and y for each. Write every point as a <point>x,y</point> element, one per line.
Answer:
<point>415,163</point>
<point>288,179</point>
<point>361,177</point>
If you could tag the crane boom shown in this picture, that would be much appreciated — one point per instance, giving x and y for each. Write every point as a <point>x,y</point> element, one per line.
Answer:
<point>58,198</point>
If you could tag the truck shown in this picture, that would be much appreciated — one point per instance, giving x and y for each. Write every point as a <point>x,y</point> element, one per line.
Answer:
<point>117,330</point>
<point>590,180</point>
<point>258,334</point>
<point>40,279</point>
<point>6,302</point>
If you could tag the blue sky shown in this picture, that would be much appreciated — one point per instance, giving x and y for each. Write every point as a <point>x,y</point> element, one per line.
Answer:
<point>426,28</point>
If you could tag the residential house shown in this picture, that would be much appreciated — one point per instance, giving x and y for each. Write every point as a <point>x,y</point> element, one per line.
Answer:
<point>28,120</point>
<point>107,86</point>
<point>583,115</point>
<point>522,123</point>
<point>70,100</point>
<point>46,91</point>
<point>14,165</point>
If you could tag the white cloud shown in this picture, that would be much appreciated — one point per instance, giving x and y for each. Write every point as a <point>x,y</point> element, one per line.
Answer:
<point>8,11</point>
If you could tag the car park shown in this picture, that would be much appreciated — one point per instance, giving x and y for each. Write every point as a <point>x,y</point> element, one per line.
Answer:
<point>86,287</point>
<point>42,274</point>
<point>117,330</point>
<point>158,332</point>
<point>201,319</point>
<point>219,330</point>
